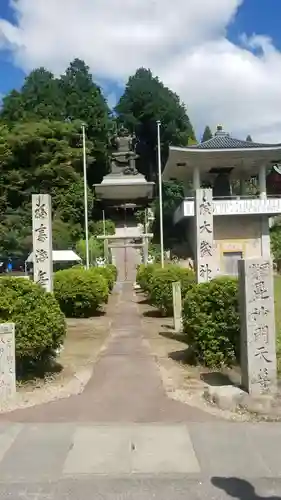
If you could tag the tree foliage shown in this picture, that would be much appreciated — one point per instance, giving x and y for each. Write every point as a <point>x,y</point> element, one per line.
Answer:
<point>40,157</point>
<point>207,135</point>
<point>74,96</point>
<point>172,196</point>
<point>145,100</point>
<point>249,138</point>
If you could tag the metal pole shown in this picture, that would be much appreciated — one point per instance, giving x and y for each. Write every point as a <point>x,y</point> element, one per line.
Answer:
<point>85,198</point>
<point>103,221</point>
<point>160,193</point>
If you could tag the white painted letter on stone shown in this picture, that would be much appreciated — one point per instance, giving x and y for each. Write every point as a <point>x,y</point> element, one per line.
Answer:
<point>258,347</point>
<point>177,306</point>
<point>42,240</point>
<point>7,361</point>
<point>204,234</point>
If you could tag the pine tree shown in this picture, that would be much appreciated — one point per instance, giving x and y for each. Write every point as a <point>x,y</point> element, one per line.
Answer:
<point>207,134</point>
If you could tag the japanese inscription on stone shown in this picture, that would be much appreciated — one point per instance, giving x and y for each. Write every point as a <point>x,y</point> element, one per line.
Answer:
<point>42,240</point>
<point>258,351</point>
<point>7,361</point>
<point>204,235</point>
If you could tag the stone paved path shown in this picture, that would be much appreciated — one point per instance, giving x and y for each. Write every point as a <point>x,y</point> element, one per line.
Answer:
<point>124,439</point>
<point>214,460</point>
<point>125,386</point>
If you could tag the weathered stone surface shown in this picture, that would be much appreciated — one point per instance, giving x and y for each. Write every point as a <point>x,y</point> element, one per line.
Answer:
<point>42,240</point>
<point>226,397</point>
<point>205,270</point>
<point>177,306</point>
<point>258,343</point>
<point>7,361</point>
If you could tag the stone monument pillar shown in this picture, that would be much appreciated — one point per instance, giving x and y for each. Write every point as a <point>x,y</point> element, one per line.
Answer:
<point>204,239</point>
<point>7,361</point>
<point>177,306</point>
<point>258,342</point>
<point>42,240</point>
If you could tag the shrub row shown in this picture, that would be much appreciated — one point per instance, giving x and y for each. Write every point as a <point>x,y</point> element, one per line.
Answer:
<point>82,292</point>
<point>40,324</point>
<point>157,283</point>
<point>210,311</point>
<point>211,321</point>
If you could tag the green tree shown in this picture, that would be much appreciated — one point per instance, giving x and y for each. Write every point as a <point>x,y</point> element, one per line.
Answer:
<point>249,138</point>
<point>72,97</point>
<point>84,101</point>
<point>172,196</point>
<point>146,100</point>
<point>95,249</point>
<point>275,239</point>
<point>207,134</point>
<point>40,157</point>
<point>39,98</point>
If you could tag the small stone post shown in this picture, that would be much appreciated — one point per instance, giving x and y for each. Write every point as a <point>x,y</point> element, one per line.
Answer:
<point>7,362</point>
<point>106,250</point>
<point>204,235</point>
<point>177,306</point>
<point>258,343</point>
<point>145,251</point>
<point>42,240</point>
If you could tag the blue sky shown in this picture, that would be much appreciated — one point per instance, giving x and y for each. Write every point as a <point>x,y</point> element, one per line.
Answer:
<point>254,16</point>
<point>199,53</point>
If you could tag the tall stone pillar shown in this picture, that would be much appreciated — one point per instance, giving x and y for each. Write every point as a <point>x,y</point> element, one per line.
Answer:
<point>258,342</point>
<point>204,235</point>
<point>42,240</point>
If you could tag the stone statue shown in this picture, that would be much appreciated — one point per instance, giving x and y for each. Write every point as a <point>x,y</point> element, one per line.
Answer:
<point>123,160</point>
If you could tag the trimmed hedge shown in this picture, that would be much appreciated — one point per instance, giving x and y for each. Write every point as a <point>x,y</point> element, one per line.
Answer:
<point>211,321</point>
<point>109,272</point>
<point>160,286</point>
<point>144,275</point>
<point>80,292</point>
<point>40,324</point>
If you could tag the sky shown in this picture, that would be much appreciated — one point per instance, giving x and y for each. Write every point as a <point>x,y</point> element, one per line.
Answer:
<point>222,57</point>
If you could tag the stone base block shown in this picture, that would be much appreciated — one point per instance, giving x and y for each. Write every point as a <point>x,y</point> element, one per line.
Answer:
<point>226,397</point>
<point>231,398</point>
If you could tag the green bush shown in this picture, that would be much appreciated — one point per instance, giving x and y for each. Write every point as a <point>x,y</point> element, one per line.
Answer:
<point>40,324</point>
<point>109,272</point>
<point>144,275</point>
<point>211,321</point>
<point>95,249</point>
<point>160,286</point>
<point>80,292</point>
<point>98,227</point>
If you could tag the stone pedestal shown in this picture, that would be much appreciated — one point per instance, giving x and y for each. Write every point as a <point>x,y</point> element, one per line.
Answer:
<point>177,306</point>
<point>258,342</point>
<point>42,240</point>
<point>7,362</point>
<point>205,269</point>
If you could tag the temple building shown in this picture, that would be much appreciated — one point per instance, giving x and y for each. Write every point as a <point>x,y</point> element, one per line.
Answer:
<point>245,179</point>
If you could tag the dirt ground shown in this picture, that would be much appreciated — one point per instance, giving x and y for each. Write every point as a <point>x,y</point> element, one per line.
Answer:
<point>84,341</point>
<point>173,356</point>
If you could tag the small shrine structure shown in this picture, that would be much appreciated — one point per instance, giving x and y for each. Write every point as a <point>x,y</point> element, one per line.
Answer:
<point>241,215</point>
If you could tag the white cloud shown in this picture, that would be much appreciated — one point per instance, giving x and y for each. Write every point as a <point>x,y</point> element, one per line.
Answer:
<point>184,43</point>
